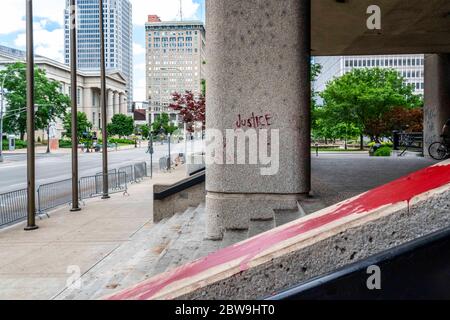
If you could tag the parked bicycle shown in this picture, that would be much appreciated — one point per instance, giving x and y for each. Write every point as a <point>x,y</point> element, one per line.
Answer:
<point>440,150</point>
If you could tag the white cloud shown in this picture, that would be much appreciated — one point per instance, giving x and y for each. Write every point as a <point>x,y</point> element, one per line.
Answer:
<point>138,49</point>
<point>47,43</point>
<point>12,13</point>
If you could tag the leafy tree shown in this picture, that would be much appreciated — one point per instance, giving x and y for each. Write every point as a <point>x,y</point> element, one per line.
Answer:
<point>363,96</point>
<point>163,125</point>
<point>83,125</point>
<point>144,130</point>
<point>51,103</point>
<point>121,125</point>
<point>191,108</point>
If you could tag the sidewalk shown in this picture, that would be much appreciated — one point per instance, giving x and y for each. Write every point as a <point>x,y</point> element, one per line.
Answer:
<point>38,264</point>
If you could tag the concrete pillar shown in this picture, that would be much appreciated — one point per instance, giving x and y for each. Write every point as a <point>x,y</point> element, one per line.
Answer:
<point>110,103</point>
<point>116,103</point>
<point>258,70</point>
<point>123,103</point>
<point>87,106</point>
<point>437,96</point>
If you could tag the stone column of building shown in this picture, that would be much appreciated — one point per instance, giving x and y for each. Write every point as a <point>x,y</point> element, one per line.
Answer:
<point>110,107</point>
<point>116,103</point>
<point>123,103</point>
<point>258,75</point>
<point>437,97</point>
<point>87,106</point>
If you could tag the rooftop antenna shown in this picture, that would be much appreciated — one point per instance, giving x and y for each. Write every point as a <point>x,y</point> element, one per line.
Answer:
<point>181,10</point>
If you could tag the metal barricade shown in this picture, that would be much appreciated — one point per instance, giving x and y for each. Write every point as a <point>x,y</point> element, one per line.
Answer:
<point>129,171</point>
<point>91,187</point>
<point>13,206</point>
<point>52,195</point>
<point>140,171</point>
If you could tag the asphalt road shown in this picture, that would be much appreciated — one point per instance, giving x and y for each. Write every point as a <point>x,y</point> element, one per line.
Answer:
<point>54,167</point>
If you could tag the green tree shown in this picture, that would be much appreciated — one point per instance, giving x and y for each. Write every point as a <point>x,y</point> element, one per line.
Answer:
<point>121,125</point>
<point>363,96</point>
<point>83,125</point>
<point>163,125</point>
<point>51,103</point>
<point>142,130</point>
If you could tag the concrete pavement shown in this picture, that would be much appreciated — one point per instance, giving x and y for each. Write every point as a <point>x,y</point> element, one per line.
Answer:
<point>39,264</point>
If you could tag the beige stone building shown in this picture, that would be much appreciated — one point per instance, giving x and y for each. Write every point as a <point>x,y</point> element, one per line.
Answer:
<point>88,98</point>
<point>174,61</point>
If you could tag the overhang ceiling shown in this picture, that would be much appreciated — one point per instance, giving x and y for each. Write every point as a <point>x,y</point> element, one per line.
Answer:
<point>408,26</point>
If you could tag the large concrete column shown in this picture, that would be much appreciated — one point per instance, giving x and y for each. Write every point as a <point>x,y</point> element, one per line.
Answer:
<point>437,96</point>
<point>116,103</point>
<point>110,103</point>
<point>258,68</point>
<point>123,104</point>
<point>87,106</point>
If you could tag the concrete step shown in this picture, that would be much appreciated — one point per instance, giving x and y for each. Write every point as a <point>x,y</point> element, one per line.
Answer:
<point>172,231</point>
<point>260,226</point>
<point>311,205</point>
<point>231,237</point>
<point>182,250</point>
<point>130,262</point>
<point>285,216</point>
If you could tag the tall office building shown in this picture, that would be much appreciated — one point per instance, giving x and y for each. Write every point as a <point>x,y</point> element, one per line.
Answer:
<point>175,61</point>
<point>118,38</point>
<point>410,67</point>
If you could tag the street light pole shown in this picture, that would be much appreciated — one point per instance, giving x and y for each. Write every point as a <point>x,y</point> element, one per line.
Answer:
<point>103,105</point>
<point>31,174</point>
<point>74,98</point>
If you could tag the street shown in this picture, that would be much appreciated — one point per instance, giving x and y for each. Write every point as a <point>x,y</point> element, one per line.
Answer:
<point>57,166</point>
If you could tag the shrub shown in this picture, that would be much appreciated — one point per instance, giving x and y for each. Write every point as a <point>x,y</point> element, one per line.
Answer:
<point>121,141</point>
<point>65,144</point>
<point>383,152</point>
<point>20,144</point>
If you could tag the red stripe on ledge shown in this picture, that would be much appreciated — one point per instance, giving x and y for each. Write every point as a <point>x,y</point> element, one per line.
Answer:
<point>403,189</point>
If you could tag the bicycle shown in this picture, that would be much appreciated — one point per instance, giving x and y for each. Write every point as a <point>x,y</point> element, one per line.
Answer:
<point>440,150</point>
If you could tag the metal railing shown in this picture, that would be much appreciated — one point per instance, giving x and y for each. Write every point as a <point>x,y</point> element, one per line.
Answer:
<point>91,187</point>
<point>140,171</point>
<point>52,195</point>
<point>13,206</point>
<point>128,170</point>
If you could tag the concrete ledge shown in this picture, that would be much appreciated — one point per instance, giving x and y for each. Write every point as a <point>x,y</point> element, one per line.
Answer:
<point>355,229</point>
<point>179,202</point>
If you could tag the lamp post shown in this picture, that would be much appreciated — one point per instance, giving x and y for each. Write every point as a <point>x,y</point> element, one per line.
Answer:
<point>74,101</point>
<point>103,105</point>
<point>31,174</point>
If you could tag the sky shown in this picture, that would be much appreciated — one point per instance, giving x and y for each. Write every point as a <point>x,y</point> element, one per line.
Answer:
<point>49,28</point>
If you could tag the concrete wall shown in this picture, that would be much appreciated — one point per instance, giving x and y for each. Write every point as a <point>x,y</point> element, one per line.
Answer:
<point>350,231</point>
<point>177,203</point>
